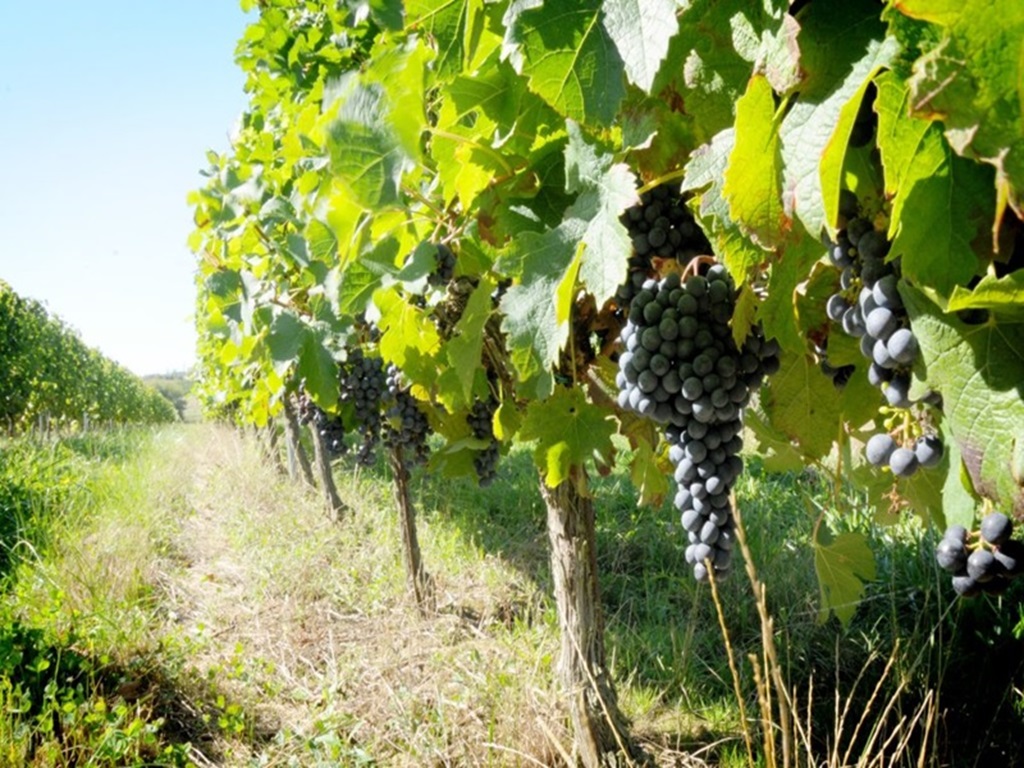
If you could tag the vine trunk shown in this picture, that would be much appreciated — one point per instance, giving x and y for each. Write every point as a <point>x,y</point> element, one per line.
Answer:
<point>295,450</point>
<point>599,728</point>
<point>417,577</point>
<point>335,506</point>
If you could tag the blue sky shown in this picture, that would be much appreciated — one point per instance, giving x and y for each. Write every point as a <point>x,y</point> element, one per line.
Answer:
<point>106,111</point>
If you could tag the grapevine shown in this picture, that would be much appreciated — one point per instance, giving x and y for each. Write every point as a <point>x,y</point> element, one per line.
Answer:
<point>545,270</point>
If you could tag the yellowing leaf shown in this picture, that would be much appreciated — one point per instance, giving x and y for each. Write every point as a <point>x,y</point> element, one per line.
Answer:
<point>753,179</point>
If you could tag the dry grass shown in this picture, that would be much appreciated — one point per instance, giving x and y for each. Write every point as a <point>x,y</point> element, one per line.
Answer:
<point>305,624</point>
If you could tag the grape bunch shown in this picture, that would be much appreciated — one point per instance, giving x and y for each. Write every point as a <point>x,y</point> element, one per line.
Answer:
<point>659,226</point>
<point>481,421</point>
<point>330,428</point>
<point>405,425</point>
<point>682,368</point>
<point>305,408</point>
<point>444,266</point>
<point>982,561</point>
<point>869,307</point>
<point>363,384</point>
<point>882,450</point>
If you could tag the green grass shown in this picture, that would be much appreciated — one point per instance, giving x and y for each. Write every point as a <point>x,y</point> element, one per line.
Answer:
<point>184,603</point>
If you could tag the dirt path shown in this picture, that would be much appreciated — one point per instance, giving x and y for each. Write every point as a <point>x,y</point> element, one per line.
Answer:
<point>303,626</point>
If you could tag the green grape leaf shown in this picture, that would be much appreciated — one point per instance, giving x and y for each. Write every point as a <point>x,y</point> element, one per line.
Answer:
<point>753,177</point>
<point>507,420</point>
<point>463,349</point>
<point>1003,296</point>
<point>859,401</point>
<point>744,314</point>
<point>800,402</point>
<point>705,172</point>
<point>948,196</point>
<point>855,50</point>
<point>979,370</point>
<point>773,447</point>
<point>292,342</point>
<point>366,275</point>
<point>641,30</point>
<point>972,82</point>
<point>321,241</point>
<point>606,190</point>
<point>408,337</point>
<point>568,58</point>
<point>284,340</point>
<point>387,14</point>
<point>401,71</point>
<point>317,368</point>
<point>366,154</point>
<point>476,111</point>
<point>569,431</point>
<point>536,309</point>
<point>457,28</point>
<point>778,312</point>
<point>842,564</point>
<point>719,45</point>
<point>834,156</point>
<point>958,502</point>
<point>822,282</point>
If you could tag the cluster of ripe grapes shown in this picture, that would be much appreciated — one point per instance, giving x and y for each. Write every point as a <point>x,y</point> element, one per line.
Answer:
<point>481,420</point>
<point>982,561</point>
<point>682,368</point>
<point>363,384</point>
<point>405,425</point>
<point>869,307</point>
<point>444,267</point>
<point>329,427</point>
<point>659,226</point>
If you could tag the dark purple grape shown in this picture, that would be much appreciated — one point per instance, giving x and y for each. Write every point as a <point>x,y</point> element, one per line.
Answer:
<point>880,323</point>
<point>836,307</point>
<point>951,556</point>
<point>873,246</point>
<point>982,566</point>
<point>879,448</point>
<point>903,462</point>
<point>956,533</point>
<point>1010,555</point>
<point>928,450</point>
<point>965,586</point>
<point>885,293</point>
<point>897,391</point>
<point>996,528</point>
<point>902,345</point>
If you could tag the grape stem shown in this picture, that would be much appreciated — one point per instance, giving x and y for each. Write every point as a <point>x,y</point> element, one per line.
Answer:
<point>694,264</point>
<point>663,179</point>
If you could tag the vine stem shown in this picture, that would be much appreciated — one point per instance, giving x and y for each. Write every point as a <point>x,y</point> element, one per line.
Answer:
<point>415,195</point>
<point>678,173</point>
<point>695,263</point>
